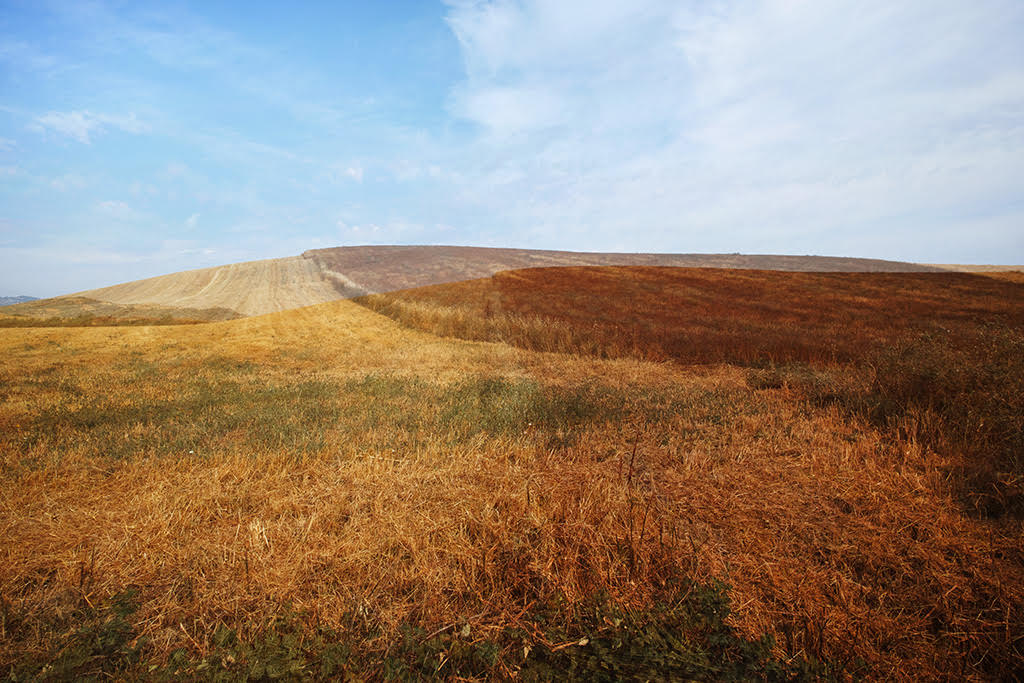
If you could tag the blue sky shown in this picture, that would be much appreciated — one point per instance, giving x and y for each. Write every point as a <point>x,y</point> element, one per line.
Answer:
<point>138,139</point>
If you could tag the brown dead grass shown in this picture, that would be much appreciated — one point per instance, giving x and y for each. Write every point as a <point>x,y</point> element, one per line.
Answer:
<point>843,541</point>
<point>1007,275</point>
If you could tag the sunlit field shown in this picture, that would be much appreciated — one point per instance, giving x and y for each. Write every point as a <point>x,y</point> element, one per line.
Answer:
<point>583,472</point>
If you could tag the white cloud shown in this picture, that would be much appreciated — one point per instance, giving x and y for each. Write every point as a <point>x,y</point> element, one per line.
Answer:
<point>386,232</point>
<point>733,125</point>
<point>82,125</point>
<point>192,221</point>
<point>509,110</point>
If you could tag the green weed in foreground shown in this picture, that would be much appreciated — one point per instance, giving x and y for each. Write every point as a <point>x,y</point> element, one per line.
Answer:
<point>682,637</point>
<point>96,644</point>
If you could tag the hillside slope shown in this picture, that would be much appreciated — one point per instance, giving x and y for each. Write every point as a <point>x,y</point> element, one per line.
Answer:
<point>322,275</point>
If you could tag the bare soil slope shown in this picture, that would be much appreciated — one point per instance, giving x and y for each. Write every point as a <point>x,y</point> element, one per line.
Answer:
<point>389,268</point>
<point>250,288</point>
<point>977,268</point>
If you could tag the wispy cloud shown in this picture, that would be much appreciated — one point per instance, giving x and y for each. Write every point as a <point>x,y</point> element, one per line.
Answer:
<point>23,55</point>
<point>118,210</point>
<point>82,125</point>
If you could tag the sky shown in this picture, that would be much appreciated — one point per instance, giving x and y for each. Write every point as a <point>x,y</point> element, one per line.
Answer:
<point>138,138</point>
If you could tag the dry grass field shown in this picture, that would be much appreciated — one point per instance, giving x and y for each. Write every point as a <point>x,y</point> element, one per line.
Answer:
<point>613,473</point>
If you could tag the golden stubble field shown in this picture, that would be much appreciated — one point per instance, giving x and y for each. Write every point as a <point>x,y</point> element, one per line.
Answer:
<point>328,464</point>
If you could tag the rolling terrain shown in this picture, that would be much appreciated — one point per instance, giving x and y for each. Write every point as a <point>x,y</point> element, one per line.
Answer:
<point>319,276</point>
<point>626,472</point>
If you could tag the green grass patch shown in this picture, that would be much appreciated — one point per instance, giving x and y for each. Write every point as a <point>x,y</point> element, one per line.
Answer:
<point>226,405</point>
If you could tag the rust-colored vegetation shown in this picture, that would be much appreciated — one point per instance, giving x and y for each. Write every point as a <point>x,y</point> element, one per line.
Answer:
<point>705,315</point>
<point>326,493</point>
<point>938,356</point>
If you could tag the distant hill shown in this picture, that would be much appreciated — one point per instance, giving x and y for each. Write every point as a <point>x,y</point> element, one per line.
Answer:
<point>322,275</point>
<point>11,300</point>
<point>78,310</point>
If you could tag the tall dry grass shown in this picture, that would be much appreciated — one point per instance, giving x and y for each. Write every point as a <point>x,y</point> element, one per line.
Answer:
<point>368,481</point>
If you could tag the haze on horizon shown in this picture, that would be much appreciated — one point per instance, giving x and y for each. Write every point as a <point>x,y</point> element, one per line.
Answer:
<point>144,138</point>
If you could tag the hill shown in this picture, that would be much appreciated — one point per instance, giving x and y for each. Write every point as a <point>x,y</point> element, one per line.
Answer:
<point>10,300</point>
<point>319,276</point>
<point>388,268</point>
